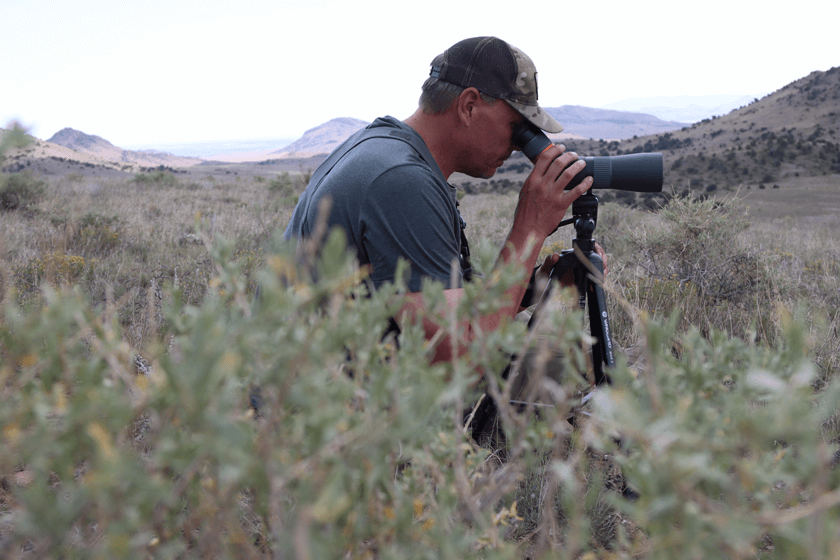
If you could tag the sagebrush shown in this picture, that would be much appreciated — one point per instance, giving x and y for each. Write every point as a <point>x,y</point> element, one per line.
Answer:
<point>152,407</point>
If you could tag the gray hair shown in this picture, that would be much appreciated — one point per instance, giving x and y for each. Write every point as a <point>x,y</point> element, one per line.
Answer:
<point>437,95</point>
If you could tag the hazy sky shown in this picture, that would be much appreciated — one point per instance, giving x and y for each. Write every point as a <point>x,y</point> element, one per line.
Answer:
<point>140,73</point>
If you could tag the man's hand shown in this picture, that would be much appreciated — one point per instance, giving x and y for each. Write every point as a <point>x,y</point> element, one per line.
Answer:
<point>543,200</point>
<point>567,280</point>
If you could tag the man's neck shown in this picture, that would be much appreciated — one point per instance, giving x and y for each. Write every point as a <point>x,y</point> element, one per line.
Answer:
<point>436,133</point>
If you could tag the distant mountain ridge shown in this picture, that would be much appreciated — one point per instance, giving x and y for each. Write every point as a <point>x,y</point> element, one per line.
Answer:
<point>588,122</point>
<point>322,139</point>
<point>581,122</point>
<point>685,108</point>
<point>99,147</point>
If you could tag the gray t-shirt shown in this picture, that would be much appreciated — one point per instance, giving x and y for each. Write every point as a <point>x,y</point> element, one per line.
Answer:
<point>392,200</point>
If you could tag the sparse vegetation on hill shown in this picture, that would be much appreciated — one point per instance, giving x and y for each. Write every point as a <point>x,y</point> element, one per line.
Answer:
<point>790,133</point>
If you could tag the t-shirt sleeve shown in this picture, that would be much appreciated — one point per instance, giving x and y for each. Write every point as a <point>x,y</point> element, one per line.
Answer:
<point>408,213</point>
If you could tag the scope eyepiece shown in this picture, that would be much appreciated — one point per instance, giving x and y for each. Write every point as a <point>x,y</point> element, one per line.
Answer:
<point>530,139</point>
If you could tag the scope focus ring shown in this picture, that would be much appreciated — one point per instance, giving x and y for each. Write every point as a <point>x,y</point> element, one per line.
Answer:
<point>602,173</point>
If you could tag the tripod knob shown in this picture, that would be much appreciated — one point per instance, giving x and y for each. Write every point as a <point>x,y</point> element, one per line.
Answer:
<point>585,226</point>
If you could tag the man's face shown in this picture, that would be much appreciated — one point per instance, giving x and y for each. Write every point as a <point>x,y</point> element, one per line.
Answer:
<point>492,138</point>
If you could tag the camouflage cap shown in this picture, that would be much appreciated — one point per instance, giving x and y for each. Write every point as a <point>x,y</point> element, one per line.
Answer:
<point>497,69</point>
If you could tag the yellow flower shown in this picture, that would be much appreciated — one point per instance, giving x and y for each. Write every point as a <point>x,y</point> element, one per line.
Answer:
<point>230,361</point>
<point>28,360</point>
<point>98,433</point>
<point>11,433</point>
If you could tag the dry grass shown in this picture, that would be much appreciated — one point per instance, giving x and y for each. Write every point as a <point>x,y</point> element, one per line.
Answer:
<point>809,198</point>
<point>132,237</point>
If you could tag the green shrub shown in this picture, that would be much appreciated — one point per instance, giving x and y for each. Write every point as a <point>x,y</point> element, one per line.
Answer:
<point>19,191</point>
<point>59,269</point>
<point>281,184</point>
<point>693,260</point>
<point>724,448</point>
<point>96,234</point>
<point>13,137</point>
<point>288,188</point>
<point>356,447</point>
<point>174,463</point>
<point>158,177</point>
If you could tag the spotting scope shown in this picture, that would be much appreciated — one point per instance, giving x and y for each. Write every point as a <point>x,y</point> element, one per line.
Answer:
<point>631,172</point>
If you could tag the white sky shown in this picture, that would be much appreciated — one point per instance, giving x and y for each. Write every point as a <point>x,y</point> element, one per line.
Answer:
<point>151,72</point>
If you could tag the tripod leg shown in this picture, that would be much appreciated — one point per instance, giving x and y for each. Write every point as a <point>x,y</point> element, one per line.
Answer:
<point>568,264</point>
<point>591,296</point>
<point>599,325</point>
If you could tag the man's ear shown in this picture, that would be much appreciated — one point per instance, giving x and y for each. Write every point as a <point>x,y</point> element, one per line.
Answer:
<point>467,103</point>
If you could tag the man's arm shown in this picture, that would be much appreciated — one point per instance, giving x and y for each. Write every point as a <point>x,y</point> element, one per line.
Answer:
<point>543,202</point>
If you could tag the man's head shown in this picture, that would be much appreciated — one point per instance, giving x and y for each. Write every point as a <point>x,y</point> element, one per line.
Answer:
<point>496,69</point>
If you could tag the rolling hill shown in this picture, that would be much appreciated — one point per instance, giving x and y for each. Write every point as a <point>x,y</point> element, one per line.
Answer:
<point>46,158</point>
<point>793,132</point>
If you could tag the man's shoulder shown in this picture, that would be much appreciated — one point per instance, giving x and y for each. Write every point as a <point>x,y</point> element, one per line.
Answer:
<point>387,144</point>
<point>386,149</point>
<point>388,137</point>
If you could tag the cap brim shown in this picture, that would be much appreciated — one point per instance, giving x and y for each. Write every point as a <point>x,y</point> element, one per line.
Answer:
<point>538,116</point>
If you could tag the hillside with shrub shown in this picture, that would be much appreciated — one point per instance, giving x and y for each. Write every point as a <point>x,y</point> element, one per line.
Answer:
<point>791,133</point>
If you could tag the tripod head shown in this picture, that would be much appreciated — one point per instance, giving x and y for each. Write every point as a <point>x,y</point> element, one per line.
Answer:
<point>585,218</point>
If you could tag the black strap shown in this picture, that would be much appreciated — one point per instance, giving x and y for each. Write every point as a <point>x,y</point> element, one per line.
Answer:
<point>466,265</point>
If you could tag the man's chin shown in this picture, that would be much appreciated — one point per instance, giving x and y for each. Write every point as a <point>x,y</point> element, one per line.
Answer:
<point>483,174</point>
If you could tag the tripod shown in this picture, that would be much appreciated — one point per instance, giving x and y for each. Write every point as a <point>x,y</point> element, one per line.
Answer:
<point>584,217</point>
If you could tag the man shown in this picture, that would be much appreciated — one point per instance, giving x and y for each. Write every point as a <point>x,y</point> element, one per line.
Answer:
<point>388,183</point>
